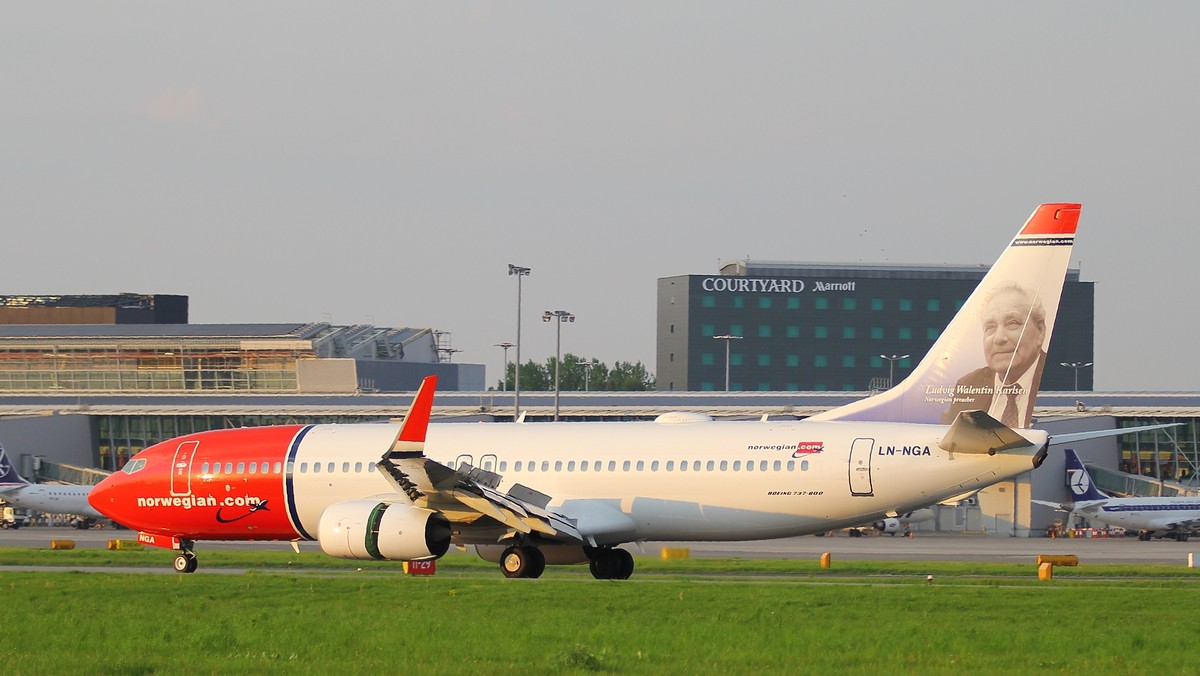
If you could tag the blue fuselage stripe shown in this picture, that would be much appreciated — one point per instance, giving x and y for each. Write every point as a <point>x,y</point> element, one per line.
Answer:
<point>289,493</point>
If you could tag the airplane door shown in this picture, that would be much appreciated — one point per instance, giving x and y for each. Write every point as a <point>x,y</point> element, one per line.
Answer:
<point>860,467</point>
<point>181,468</point>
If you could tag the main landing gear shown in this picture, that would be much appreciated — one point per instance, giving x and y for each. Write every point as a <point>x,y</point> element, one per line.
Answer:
<point>522,562</point>
<point>186,561</point>
<point>609,563</point>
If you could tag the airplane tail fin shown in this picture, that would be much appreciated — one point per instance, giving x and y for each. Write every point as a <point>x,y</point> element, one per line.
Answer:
<point>1080,482</point>
<point>8,472</point>
<point>1011,313</point>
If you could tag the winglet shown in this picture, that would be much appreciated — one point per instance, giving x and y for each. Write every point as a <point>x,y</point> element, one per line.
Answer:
<point>416,421</point>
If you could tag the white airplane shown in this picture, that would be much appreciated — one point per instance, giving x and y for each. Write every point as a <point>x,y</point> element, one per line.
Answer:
<point>1173,517</point>
<point>47,498</point>
<point>572,492</point>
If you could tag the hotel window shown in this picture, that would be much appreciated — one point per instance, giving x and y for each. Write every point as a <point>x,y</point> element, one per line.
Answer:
<point>820,332</point>
<point>792,331</point>
<point>821,303</point>
<point>905,305</point>
<point>793,360</point>
<point>708,301</point>
<point>707,330</point>
<point>764,360</point>
<point>735,359</point>
<point>764,330</point>
<point>933,305</point>
<point>793,303</point>
<point>764,302</point>
<point>707,359</point>
<point>877,333</point>
<point>904,333</point>
<point>876,303</point>
<point>848,361</point>
<point>848,332</point>
<point>739,302</point>
<point>820,360</point>
<point>932,334</point>
<point>849,304</point>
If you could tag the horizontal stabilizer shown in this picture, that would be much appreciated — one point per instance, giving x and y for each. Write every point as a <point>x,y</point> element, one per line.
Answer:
<point>978,432</point>
<point>1072,437</point>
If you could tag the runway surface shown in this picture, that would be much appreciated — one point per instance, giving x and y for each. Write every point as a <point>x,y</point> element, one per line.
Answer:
<point>921,547</point>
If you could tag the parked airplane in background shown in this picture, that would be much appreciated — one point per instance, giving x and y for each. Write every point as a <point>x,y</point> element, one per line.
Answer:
<point>1173,517</point>
<point>48,498</point>
<point>572,492</point>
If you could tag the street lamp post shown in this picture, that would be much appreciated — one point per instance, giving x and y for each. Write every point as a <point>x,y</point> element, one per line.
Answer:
<point>505,345</point>
<point>587,371</point>
<point>519,272</point>
<point>728,339</point>
<point>561,316</point>
<point>892,367</point>
<point>1076,365</point>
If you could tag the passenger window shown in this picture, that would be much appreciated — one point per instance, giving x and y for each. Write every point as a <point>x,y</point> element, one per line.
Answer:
<point>583,466</point>
<point>316,468</point>
<point>241,468</point>
<point>204,468</point>
<point>724,465</point>
<point>711,464</point>
<point>254,467</point>
<point>596,467</point>
<point>654,466</point>
<point>695,465</point>
<point>558,465</point>
<point>229,468</point>
<point>358,468</point>
<point>625,465</point>
<point>762,466</point>
<point>683,466</point>
<point>670,465</point>
<point>791,465</point>
<point>503,466</point>
<point>641,465</point>
<point>517,466</point>
<point>279,466</point>
<point>304,468</point>
<point>612,465</point>
<point>749,465</point>
<point>345,468</point>
<point>571,466</point>
<point>803,465</point>
<point>329,468</point>
<point>370,467</point>
<point>778,465</point>
<point>737,465</point>
<point>545,465</point>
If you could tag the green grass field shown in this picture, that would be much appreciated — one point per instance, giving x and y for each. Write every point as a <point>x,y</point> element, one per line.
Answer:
<point>674,617</point>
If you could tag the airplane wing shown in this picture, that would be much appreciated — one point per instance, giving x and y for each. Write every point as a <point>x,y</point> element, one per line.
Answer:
<point>468,493</point>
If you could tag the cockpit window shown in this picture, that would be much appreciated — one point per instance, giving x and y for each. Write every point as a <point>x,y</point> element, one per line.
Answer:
<point>134,465</point>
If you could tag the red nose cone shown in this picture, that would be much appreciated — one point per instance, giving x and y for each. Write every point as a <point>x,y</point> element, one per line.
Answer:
<point>103,497</point>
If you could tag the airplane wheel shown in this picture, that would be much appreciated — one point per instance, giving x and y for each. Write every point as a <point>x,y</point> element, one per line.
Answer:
<point>183,563</point>
<point>624,567</point>
<point>193,563</point>
<point>537,562</point>
<point>514,562</point>
<point>602,564</point>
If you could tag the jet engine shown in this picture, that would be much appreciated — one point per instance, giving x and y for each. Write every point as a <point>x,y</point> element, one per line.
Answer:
<point>889,525</point>
<point>366,529</point>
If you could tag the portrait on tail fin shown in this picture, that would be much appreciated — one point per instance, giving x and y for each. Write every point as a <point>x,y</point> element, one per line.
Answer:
<point>1014,352</point>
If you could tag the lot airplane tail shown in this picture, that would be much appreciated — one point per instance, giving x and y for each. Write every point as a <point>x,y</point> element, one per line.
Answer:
<point>1083,489</point>
<point>533,494</point>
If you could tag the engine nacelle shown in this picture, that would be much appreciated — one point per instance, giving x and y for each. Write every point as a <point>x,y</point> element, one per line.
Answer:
<point>888,525</point>
<point>367,529</point>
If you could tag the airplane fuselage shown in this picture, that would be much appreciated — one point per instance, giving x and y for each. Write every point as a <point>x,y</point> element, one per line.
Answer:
<point>686,481</point>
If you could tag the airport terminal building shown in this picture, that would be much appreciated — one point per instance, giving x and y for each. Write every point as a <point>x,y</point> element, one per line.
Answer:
<point>822,327</point>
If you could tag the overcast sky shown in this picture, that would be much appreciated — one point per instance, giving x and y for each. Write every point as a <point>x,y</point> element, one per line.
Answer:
<point>384,162</point>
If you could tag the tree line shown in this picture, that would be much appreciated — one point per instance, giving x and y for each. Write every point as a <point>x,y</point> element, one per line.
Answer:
<point>573,376</point>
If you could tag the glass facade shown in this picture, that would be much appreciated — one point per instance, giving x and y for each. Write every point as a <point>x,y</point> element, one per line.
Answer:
<point>836,329</point>
<point>95,367</point>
